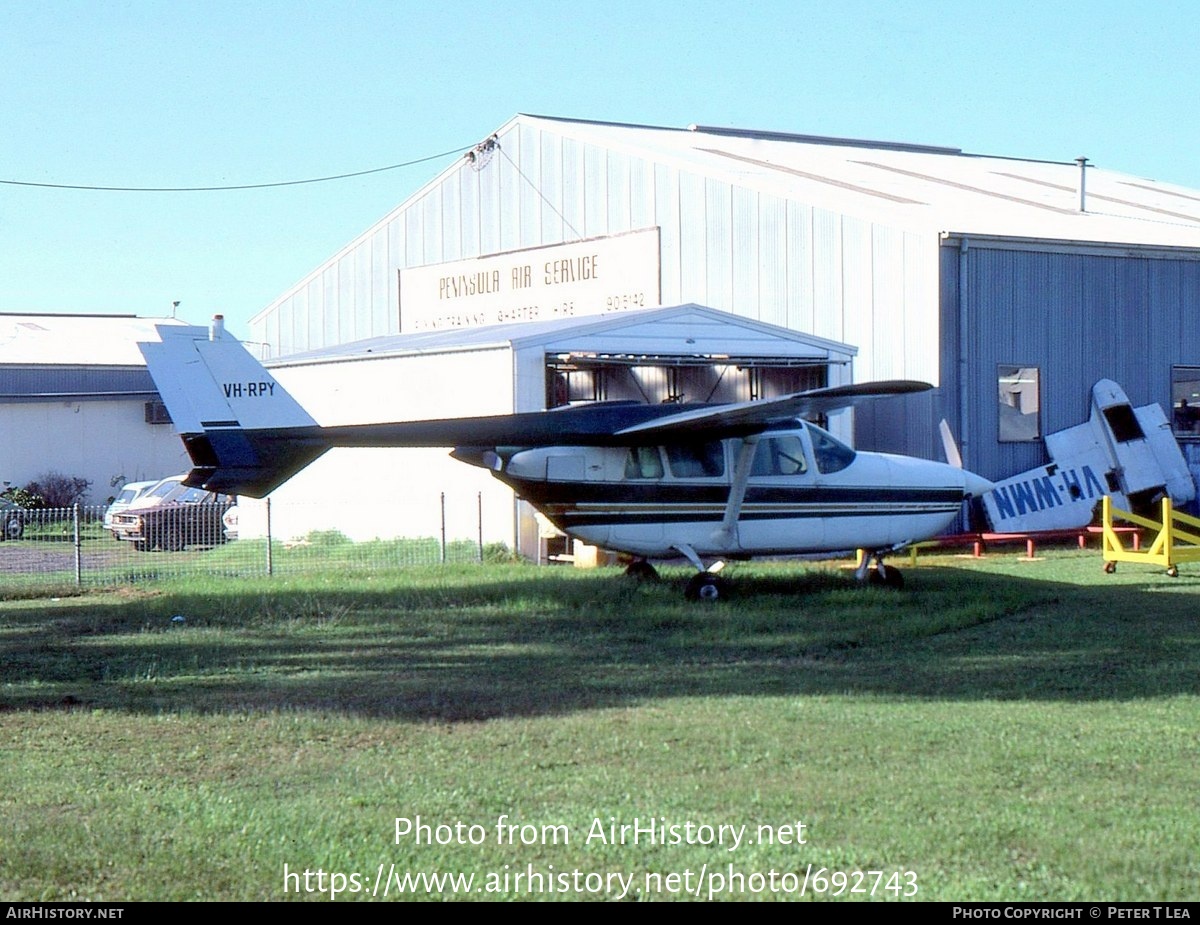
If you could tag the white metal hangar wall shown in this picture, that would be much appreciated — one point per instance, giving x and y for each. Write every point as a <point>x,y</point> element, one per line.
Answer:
<point>686,352</point>
<point>722,226</point>
<point>851,240</point>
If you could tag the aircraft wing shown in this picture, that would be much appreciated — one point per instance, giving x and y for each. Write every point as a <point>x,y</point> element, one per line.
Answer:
<point>750,416</point>
<point>247,435</point>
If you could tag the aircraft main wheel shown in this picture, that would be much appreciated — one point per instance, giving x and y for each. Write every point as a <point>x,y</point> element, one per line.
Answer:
<point>1173,571</point>
<point>706,586</point>
<point>1110,567</point>
<point>641,570</point>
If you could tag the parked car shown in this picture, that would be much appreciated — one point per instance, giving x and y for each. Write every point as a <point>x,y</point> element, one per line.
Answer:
<point>12,520</point>
<point>230,522</point>
<point>172,516</point>
<point>129,493</point>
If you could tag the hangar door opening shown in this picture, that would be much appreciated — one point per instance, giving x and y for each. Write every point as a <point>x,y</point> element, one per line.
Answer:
<point>576,378</point>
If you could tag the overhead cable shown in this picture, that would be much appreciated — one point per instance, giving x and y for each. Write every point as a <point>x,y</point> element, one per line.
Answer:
<point>213,189</point>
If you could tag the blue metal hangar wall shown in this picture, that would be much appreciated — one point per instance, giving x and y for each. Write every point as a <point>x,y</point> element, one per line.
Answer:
<point>1010,284</point>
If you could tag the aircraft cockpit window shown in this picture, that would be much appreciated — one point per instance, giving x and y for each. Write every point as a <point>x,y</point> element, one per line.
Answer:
<point>779,456</point>
<point>697,460</point>
<point>831,454</point>
<point>643,462</point>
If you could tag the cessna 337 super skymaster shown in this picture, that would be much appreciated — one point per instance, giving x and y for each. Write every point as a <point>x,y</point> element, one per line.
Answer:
<point>702,482</point>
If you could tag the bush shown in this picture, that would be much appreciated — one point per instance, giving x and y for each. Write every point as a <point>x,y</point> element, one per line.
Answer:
<point>57,490</point>
<point>23,497</point>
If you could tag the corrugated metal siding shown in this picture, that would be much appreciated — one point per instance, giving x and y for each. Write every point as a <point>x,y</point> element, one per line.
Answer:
<point>1077,317</point>
<point>618,192</point>
<point>529,222</point>
<point>828,280</point>
<point>744,254</point>
<point>800,277</point>
<point>773,261</point>
<point>888,318</point>
<point>718,245</point>
<point>595,192</point>
<point>857,292</point>
<point>641,194</point>
<point>666,212</point>
<point>551,183</point>
<point>693,240</point>
<point>574,201</point>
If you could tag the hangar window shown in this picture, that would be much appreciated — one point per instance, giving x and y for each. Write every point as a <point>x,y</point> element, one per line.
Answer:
<point>1185,399</point>
<point>1020,404</point>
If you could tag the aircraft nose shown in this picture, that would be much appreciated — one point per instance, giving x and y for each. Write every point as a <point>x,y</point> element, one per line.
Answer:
<point>975,485</point>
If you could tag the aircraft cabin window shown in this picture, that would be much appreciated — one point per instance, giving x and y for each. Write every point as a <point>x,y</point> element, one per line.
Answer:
<point>831,454</point>
<point>779,456</point>
<point>697,460</point>
<point>643,462</point>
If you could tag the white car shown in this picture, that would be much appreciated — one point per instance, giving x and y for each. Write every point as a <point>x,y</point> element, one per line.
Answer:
<point>129,493</point>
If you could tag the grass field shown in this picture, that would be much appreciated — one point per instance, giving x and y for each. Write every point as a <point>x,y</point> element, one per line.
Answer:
<point>999,730</point>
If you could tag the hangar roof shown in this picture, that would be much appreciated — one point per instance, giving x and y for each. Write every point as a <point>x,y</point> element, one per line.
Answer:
<point>940,189</point>
<point>75,340</point>
<point>674,332</point>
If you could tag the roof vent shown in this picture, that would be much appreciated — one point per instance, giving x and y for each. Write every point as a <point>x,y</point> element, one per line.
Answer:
<point>1083,164</point>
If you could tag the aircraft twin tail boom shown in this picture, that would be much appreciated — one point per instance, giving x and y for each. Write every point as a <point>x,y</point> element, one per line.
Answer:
<point>656,482</point>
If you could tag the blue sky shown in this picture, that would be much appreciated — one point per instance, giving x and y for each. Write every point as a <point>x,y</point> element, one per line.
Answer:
<point>207,94</point>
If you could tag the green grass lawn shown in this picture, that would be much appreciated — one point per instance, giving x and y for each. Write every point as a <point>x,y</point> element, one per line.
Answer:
<point>1000,729</point>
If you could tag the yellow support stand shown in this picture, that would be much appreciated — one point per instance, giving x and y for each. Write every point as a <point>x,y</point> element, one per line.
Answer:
<point>1176,538</point>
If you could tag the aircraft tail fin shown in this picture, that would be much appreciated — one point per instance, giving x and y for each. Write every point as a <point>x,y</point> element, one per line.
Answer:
<point>949,445</point>
<point>244,432</point>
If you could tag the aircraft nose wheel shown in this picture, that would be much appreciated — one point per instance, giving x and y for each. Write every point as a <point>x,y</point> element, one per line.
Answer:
<point>705,586</point>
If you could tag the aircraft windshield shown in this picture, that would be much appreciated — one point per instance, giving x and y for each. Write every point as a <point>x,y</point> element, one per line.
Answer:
<point>831,454</point>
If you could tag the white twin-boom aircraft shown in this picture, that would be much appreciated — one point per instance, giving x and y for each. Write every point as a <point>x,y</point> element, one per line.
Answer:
<point>707,483</point>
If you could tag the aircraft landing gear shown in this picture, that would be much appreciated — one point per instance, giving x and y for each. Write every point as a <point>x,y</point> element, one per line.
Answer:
<point>872,570</point>
<point>706,586</point>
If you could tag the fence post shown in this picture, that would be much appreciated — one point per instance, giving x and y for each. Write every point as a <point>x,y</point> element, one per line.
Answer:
<point>270,559</point>
<point>78,547</point>
<point>479,520</point>
<point>443,549</point>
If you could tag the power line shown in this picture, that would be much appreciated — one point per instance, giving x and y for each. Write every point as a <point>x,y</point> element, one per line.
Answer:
<point>213,189</point>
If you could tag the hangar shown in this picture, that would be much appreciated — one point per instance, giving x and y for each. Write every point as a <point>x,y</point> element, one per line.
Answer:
<point>1011,284</point>
<point>76,399</point>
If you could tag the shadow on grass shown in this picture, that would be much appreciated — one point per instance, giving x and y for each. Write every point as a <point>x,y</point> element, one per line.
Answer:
<point>491,642</point>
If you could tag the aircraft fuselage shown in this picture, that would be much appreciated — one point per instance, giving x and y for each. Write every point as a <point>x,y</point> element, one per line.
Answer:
<point>805,493</point>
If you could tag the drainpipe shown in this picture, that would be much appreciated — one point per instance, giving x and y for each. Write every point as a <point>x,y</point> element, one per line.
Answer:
<point>964,368</point>
<point>964,430</point>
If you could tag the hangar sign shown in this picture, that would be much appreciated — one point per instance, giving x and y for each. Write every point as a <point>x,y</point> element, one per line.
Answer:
<point>590,277</point>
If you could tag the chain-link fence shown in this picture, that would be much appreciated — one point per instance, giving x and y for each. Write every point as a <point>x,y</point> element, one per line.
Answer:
<point>79,546</point>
